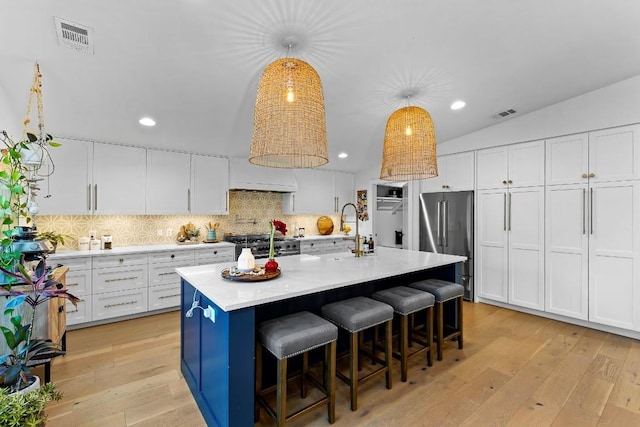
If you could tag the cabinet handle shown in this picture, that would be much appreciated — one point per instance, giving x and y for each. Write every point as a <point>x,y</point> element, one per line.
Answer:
<point>173,256</point>
<point>167,274</point>
<point>591,210</point>
<point>95,197</point>
<point>169,296</point>
<point>188,200</point>
<point>89,197</point>
<point>504,182</point>
<point>215,252</point>
<point>226,200</point>
<point>510,182</point>
<point>592,175</point>
<point>120,279</point>
<point>68,285</point>
<point>293,197</point>
<point>585,176</point>
<point>509,228</point>
<point>504,212</point>
<point>120,304</point>
<point>584,208</point>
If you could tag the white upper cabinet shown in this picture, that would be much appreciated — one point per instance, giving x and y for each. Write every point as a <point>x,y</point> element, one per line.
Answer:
<point>568,159</point>
<point>614,154</point>
<point>319,192</point>
<point>517,165</point>
<point>344,191</point>
<point>601,156</point>
<point>93,178</point>
<point>209,185</point>
<point>118,179</point>
<point>456,172</point>
<point>69,188</point>
<point>168,180</point>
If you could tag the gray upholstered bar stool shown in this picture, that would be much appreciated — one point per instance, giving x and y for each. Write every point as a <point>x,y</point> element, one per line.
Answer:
<point>444,291</point>
<point>405,302</point>
<point>289,336</point>
<point>355,315</point>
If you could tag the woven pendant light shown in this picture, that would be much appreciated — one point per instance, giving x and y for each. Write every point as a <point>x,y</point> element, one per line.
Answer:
<point>289,125</point>
<point>409,151</point>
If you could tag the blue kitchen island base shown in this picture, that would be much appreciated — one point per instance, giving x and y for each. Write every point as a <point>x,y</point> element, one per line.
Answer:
<point>217,357</point>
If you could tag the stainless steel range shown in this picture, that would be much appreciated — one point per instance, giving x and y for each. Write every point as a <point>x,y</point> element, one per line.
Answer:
<point>259,244</point>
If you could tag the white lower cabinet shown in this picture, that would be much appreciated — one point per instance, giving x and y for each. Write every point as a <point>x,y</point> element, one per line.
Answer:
<point>324,246</point>
<point>120,286</point>
<point>79,285</point>
<point>214,255</point>
<point>164,282</point>
<point>511,246</point>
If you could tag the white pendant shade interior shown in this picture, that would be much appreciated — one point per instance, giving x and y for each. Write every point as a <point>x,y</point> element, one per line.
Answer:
<point>409,151</point>
<point>289,125</point>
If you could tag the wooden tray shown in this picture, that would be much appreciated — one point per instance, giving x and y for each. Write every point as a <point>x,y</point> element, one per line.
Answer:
<point>268,275</point>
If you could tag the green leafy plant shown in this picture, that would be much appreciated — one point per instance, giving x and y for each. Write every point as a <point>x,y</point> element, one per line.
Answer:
<point>26,409</point>
<point>23,349</point>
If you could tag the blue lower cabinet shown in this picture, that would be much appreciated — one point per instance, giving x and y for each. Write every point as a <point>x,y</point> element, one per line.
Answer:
<point>218,360</point>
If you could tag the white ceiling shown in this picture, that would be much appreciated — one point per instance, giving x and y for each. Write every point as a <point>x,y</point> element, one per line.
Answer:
<point>194,65</point>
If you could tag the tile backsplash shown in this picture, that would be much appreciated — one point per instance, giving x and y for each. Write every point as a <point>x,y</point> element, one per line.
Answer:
<point>249,212</point>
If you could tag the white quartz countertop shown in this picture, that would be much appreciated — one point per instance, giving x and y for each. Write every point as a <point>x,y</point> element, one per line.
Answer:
<point>137,249</point>
<point>307,274</point>
<point>324,237</point>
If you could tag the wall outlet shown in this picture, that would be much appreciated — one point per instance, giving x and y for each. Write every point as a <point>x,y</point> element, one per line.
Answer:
<point>169,231</point>
<point>159,231</point>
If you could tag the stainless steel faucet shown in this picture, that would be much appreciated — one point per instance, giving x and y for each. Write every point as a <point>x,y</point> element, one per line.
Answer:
<point>358,251</point>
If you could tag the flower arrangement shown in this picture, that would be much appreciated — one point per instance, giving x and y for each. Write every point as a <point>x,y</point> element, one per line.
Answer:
<point>275,225</point>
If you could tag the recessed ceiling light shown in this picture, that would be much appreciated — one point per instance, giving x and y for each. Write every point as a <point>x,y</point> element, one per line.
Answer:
<point>147,121</point>
<point>458,105</point>
<point>343,155</point>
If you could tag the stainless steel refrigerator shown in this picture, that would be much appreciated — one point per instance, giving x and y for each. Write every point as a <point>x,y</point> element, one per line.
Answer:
<point>446,226</point>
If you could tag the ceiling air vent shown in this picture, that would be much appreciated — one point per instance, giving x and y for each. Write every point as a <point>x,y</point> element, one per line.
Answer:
<point>75,36</point>
<point>505,113</point>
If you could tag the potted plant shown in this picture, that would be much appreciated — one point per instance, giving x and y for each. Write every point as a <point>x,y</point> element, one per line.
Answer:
<point>27,409</point>
<point>24,350</point>
<point>53,237</point>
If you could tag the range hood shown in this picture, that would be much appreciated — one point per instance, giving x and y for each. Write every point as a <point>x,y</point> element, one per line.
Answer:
<point>247,176</point>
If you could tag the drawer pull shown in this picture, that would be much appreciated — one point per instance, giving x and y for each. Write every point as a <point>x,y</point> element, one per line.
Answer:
<point>120,304</point>
<point>172,256</point>
<point>121,279</point>
<point>168,296</point>
<point>167,274</point>
<point>72,284</point>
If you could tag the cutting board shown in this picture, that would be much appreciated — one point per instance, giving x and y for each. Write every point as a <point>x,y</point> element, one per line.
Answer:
<point>325,225</point>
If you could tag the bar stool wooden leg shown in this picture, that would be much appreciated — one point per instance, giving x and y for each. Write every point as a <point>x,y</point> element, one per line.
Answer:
<point>281,393</point>
<point>388,351</point>
<point>429,326</point>
<point>440,327</point>
<point>460,304</point>
<point>354,358</point>
<point>330,355</point>
<point>305,370</point>
<point>404,346</point>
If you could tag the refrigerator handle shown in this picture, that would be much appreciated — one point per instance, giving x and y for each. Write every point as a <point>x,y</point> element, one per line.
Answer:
<point>439,221</point>
<point>445,223</point>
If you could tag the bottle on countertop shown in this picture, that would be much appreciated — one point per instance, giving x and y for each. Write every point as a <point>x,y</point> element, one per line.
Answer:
<point>371,244</point>
<point>365,245</point>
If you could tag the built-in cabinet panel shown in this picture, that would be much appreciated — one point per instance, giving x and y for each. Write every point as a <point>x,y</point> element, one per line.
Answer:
<point>614,254</point>
<point>492,257</point>
<point>456,172</point>
<point>614,154</point>
<point>343,190</point>
<point>567,266</point>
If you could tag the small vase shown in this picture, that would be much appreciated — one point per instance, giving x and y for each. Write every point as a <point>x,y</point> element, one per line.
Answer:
<point>271,265</point>
<point>246,260</point>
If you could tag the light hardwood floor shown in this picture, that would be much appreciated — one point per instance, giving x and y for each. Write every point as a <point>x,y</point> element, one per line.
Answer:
<point>515,369</point>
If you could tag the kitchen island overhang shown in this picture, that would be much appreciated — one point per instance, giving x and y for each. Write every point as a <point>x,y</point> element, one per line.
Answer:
<point>217,336</point>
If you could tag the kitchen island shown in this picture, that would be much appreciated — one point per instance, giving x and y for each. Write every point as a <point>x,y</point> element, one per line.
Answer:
<point>218,316</point>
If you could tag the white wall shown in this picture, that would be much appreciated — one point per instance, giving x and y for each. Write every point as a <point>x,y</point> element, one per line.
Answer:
<point>610,106</point>
<point>10,119</point>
